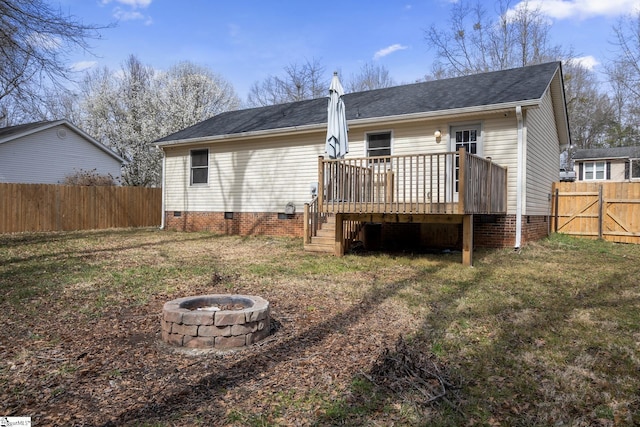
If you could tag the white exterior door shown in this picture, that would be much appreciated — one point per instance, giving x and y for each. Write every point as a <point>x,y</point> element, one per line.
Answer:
<point>468,137</point>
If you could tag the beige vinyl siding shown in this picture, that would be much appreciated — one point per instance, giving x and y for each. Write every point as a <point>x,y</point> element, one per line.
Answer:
<point>264,174</point>
<point>617,170</point>
<point>261,175</point>
<point>408,138</point>
<point>542,158</point>
<point>500,142</point>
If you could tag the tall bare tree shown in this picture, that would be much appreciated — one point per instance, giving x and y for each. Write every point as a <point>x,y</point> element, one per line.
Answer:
<point>35,40</point>
<point>624,79</point>
<point>591,112</point>
<point>475,41</point>
<point>299,82</point>
<point>370,76</point>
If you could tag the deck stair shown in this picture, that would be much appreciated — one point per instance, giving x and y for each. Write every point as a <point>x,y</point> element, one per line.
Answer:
<point>324,240</point>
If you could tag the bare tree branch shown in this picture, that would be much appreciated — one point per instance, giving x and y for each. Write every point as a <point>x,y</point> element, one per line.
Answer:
<point>35,42</point>
<point>300,82</point>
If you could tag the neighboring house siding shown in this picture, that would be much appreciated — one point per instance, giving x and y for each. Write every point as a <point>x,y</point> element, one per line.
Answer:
<point>617,170</point>
<point>46,158</point>
<point>542,158</point>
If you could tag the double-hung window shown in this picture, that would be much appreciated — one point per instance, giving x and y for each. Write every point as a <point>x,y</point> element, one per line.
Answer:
<point>378,145</point>
<point>199,166</point>
<point>595,171</point>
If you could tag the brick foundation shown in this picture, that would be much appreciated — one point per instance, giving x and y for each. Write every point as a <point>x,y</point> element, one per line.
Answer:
<point>490,231</point>
<point>240,223</point>
<point>499,231</point>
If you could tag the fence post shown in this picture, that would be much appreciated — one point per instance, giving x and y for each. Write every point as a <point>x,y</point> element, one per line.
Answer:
<point>556,207</point>
<point>600,212</point>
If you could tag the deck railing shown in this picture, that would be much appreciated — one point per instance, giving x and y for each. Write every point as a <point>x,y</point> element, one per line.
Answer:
<point>313,219</point>
<point>444,183</point>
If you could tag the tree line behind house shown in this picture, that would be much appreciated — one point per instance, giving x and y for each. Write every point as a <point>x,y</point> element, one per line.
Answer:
<point>128,108</point>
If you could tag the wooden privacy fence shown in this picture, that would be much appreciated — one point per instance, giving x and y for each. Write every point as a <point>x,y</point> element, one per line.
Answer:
<point>608,210</point>
<point>48,207</point>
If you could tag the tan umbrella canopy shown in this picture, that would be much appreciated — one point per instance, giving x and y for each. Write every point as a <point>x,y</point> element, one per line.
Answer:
<point>337,144</point>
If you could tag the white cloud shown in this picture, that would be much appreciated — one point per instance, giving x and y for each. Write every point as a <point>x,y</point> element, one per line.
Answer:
<point>582,9</point>
<point>388,50</point>
<point>136,4</point>
<point>126,15</point>
<point>83,65</point>
<point>131,15</point>
<point>589,62</point>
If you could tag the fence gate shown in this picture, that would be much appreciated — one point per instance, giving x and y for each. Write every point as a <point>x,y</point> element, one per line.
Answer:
<point>608,211</point>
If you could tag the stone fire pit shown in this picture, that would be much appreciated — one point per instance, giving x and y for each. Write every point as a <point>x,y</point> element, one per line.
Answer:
<point>215,321</point>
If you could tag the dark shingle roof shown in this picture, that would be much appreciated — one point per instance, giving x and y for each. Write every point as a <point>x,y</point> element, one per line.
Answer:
<point>498,87</point>
<point>608,153</point>
<point>18,129</point>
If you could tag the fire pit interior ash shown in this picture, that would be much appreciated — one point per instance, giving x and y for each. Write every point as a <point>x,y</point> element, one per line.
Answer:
<point>215,321</point>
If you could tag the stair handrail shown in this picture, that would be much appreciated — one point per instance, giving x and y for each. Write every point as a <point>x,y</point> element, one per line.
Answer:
<point>311,219</point>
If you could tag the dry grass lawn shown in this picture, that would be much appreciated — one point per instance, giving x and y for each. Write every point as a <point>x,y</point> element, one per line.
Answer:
<point>546,336</point>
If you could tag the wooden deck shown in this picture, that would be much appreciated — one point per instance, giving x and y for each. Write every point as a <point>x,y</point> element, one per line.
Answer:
<point>446,188</point>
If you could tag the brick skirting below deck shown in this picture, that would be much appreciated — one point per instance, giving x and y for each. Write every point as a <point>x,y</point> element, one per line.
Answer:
<point>237,223</point>
<point>490,231</point>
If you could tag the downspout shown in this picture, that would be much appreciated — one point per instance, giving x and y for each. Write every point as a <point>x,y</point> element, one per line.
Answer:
<point>519,173</point>
<point>162,181</point>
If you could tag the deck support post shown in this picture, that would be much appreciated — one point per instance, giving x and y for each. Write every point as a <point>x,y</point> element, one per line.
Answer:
<point>339,242</point>
<point>321,187</point>
<point>467,240</point>
<point>305,225</point>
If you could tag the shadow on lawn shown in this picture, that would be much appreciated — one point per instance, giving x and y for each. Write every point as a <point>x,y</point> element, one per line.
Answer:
<point>190,396</point>
<point>511,374</point>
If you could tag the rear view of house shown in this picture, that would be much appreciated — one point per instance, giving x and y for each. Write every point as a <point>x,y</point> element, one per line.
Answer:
<point>48,152</point>
<point>448,163</point>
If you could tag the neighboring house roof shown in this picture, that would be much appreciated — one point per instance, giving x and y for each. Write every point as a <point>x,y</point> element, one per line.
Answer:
<point>524,86</point>
<point>13,132</point>
<point>607,153</point>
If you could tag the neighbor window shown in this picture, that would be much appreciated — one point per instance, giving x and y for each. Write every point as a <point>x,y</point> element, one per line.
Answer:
<point>595,171</point>
<point>379,144</point>
<point>199,166</point>
<point>635,168</point>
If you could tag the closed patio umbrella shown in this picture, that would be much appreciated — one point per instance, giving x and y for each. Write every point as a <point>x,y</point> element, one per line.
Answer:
<point>337,144</point>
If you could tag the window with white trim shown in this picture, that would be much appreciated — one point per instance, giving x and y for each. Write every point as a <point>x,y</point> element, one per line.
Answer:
<point>595,171</point>
<point>379,144</point>
<point>199,166</point>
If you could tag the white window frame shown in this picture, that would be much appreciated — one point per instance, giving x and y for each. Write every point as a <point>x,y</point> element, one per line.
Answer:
<point>193,168</point>
<point>592,168</point>
<point>381,132</point>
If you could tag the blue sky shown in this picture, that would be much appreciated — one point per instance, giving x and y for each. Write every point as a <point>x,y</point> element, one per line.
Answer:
<point>248,40</point>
